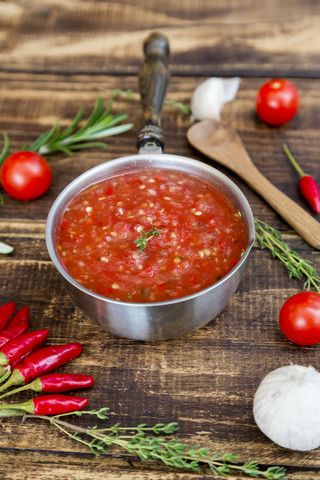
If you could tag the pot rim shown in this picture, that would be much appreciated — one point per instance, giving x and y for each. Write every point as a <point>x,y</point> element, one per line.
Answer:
<point>60,203</point>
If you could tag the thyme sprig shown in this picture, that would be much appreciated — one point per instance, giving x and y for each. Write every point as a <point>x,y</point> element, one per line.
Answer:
<point>146,443</point>
<point>269,237</point>
<point>130,95</point>
<point>145,237</point>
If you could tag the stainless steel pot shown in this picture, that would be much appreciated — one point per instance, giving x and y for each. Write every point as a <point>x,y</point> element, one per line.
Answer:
<point>159,320</point>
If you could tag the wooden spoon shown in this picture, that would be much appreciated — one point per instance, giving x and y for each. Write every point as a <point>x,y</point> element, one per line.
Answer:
<point>222,143</point>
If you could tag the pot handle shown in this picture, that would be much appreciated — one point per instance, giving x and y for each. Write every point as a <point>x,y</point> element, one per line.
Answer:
<point>153,85</point>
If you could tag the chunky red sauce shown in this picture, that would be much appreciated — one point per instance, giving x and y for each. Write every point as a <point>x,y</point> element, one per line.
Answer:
<point>198,236</point>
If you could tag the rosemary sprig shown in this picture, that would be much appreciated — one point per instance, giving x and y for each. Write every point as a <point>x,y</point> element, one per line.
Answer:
<point>101,123</point>
<point>145,442</point>
<point>269,237</point>
<point>130,95</point>
<point>145,237</point>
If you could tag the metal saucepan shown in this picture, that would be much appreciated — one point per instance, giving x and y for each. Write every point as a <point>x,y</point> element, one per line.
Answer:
<point>166,319</point>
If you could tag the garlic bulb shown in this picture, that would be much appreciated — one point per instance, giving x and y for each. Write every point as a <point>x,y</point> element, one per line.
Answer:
<point>286,407</point>
<point>209,97</point>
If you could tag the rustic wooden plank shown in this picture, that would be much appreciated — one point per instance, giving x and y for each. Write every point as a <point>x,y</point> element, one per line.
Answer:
<point>220,38</point>
<point>27,465</point>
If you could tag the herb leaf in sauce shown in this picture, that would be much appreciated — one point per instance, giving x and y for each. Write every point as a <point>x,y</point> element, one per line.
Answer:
<point>145,237</point>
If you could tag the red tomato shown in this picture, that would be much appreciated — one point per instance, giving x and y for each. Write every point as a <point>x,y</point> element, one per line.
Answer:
<point>25,175</point>
<point>277,102</point>
<point>300,318</point>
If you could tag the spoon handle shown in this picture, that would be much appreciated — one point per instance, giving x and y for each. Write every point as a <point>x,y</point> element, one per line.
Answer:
<point>306,225</point>
<point>153,85</point>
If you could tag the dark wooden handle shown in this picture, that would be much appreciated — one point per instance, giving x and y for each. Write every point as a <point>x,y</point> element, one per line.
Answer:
<point>153,85</point>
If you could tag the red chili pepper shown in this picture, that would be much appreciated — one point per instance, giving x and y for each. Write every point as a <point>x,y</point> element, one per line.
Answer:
<point>55,383</point>
<point>20,346</point>
<point>57,404</point>
<point>18,325</point>
<point>6,312</point>
<point>307,184</point>
<point>50,404</point>
<point>41,362</point>
<point>63,382</point>
<point>310,190</point>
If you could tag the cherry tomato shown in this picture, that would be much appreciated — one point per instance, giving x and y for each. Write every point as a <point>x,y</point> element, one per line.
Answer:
<point>300,318</point>
<point>277,102</point>
<point>25,175</point>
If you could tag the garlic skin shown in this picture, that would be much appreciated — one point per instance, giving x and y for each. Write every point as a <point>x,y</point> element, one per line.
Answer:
<point>210,96</point>
<point>286,407</point>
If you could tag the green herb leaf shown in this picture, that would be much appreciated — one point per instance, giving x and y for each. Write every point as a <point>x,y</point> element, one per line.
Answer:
<point>145,237</point>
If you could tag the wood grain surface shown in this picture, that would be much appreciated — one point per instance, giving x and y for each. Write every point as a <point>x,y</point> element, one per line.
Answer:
<point>223,37</point>
<point>58,56</point>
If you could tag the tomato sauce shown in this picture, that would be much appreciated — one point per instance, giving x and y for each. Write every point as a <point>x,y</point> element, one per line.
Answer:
<point>150,235</point>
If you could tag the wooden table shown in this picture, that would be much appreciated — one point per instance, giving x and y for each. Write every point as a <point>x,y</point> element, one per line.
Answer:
<point>57,56</point>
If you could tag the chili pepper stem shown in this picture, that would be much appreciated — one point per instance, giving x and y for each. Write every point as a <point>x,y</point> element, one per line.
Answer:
<point>3,359</point>
<point>26,407</point>
<point>3,371</point>
<point>5,376</point>
<point>9,412</point>
<point>15,379</point>
<point>293,160</point>
<point>17,390</point>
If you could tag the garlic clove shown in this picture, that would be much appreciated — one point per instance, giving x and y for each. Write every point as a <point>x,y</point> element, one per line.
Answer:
<point>230,88</point>
<point>286,407</point>
<point>210,96</point>
<point>207,100</point>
